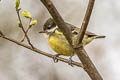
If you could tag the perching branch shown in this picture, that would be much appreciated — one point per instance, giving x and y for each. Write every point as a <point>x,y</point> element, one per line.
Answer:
<point>39,51</point>
<point>87,63</point>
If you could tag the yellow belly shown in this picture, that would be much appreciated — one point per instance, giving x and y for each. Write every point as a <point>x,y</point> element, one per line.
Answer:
<point>60,45</point>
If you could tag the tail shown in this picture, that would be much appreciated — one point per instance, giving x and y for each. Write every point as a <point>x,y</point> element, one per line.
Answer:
<point>97,37</point>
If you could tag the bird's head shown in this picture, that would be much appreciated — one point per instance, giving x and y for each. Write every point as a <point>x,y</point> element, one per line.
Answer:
<point>49,26</point>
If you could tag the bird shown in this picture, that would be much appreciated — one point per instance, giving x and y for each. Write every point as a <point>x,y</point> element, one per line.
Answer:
<point>59,43</point>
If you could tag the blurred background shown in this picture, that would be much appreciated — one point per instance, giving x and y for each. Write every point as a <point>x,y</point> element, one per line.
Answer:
<point>18,63</point>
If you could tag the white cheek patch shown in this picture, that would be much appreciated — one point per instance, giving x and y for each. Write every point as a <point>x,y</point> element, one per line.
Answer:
<point>52,29</point>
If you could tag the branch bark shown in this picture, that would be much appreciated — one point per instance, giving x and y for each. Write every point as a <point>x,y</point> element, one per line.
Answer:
<point>82,55</point>
<point>85,22</point>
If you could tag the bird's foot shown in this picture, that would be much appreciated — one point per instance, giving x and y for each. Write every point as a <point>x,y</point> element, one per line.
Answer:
<point>70,61</point>
<point>54,58</point>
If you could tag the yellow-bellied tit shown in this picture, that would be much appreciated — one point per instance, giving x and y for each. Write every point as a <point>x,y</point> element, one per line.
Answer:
<point>58,42</point>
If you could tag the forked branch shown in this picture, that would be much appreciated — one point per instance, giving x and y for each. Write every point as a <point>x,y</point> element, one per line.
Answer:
<point>84,58</point>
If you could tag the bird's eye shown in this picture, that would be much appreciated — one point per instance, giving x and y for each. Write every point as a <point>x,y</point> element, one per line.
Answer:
<point>48,27</point>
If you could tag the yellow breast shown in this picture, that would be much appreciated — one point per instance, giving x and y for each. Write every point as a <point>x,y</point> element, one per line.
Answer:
<point>60,45</point>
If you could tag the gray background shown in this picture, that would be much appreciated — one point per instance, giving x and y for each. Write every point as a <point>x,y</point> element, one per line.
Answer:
<point>18,63</point>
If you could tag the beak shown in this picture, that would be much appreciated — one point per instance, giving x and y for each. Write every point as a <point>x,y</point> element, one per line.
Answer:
<point>97,37</point>
<point>43,32</point>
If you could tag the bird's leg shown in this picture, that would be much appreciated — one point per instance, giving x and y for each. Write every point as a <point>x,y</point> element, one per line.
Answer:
<point>54,58</point>
<point>70,60</point>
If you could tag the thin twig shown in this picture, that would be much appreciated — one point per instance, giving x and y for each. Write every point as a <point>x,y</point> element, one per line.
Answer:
<point>58,19</point>
<point>21,26</point>
<point>27,30</point>
<point>1,34</point>
<point>40,52</point>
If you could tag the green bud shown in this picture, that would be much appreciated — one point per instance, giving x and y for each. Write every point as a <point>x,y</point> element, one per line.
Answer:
<point>33,22</point>
<point>26,14</point>
<point>18,22</point>
<point>17,4</point>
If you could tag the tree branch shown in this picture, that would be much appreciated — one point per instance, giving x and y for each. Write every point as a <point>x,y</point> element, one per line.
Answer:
<point>84,58</point>
<point>85,22</point>
<point>39,51</point>
<point>87,63</point>
<point>58,19</point>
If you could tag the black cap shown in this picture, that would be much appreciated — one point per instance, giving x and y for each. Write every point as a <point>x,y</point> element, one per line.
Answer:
<point>49,24</point>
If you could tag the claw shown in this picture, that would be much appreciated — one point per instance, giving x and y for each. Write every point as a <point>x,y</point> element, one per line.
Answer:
<point>54,58</point>
<point>70,61</point>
